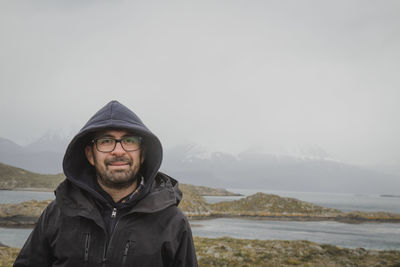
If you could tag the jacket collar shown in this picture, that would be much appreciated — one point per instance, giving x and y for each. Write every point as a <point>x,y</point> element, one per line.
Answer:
<point>73,201</point>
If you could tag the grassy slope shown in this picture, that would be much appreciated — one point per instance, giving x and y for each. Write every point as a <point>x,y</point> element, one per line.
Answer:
<point>16,178</point>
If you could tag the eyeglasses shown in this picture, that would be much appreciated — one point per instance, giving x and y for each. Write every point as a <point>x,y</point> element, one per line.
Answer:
<point>128,143</point>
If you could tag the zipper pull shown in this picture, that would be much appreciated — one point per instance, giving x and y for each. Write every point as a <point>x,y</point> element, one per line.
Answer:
<point>87,244</point>
<point>125,255</point>
<point>114,213</point>
<point>128,244</point>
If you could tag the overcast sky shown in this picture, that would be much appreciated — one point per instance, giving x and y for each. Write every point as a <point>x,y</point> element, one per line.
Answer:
<point>226,75</point>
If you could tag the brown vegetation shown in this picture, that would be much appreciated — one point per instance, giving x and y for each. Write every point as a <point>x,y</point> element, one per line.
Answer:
<point>239,252</point>
<point>264,253</point>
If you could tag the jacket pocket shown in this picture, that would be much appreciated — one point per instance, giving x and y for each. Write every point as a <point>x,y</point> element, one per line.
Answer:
<point>129,249</point>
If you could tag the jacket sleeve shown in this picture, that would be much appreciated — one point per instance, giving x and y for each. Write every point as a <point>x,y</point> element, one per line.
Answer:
<point>186,255</point>
<point>36,250</point>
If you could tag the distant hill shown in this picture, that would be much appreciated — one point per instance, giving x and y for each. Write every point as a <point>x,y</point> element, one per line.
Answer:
<point>207,191</point>
<point>12,178</point>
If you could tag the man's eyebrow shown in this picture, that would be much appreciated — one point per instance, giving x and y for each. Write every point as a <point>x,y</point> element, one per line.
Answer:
<point>130,135</point>
<point>112,136</point>
<point>105,135</point>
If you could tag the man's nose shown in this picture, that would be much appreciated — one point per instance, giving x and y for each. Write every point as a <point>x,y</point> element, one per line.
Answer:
<point>118,149</point>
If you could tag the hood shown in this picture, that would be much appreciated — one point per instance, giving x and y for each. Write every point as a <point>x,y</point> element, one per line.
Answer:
<point>80,172</point>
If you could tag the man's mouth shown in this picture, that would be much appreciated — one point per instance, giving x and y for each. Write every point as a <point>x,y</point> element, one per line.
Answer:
<point>118,163</point>
<point>119,166</point>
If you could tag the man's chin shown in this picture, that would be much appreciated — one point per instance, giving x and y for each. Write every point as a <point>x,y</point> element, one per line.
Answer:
<point>118,179</point>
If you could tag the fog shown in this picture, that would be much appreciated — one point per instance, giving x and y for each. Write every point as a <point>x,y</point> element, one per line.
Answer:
<point>233,76</point>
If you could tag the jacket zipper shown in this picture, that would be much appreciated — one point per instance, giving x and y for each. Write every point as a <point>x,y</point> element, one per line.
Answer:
<point>127,246</point>
<point>87,246</point>
<point>113,216</point>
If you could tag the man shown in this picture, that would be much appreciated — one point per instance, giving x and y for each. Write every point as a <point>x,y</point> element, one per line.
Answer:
<point>114,208</point>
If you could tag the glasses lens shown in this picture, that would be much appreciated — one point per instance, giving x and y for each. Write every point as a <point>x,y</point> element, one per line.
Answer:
<point>105,144</point>
<point>131,143</point>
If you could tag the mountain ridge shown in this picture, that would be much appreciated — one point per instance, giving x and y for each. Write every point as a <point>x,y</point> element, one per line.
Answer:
<point>247,170</point>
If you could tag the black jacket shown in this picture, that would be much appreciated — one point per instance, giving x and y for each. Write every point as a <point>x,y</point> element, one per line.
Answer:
<point>151,230</point>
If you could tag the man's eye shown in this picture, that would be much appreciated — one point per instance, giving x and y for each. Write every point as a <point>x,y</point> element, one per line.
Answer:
<point>105,141</point>
<point>131,140</point>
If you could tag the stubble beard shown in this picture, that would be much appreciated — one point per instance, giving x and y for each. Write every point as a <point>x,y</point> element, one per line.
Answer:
<point>117,179</point>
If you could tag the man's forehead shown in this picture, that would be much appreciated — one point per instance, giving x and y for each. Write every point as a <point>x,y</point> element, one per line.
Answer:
<point>113,133</point>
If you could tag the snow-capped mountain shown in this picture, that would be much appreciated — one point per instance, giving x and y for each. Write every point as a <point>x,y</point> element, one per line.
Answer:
<point>306,170</point>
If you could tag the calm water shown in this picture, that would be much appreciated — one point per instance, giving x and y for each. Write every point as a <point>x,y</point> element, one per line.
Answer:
<point>370,236</point>
<point>21,196</point>
<point>14,237</point>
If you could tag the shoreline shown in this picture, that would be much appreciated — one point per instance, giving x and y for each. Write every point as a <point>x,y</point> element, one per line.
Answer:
<point>296,218</point>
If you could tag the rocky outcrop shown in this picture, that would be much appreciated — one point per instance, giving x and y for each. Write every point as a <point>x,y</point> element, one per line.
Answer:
<point>273,207</point>
<point>261,204</point>
<point>193,204</point>
<point>22,214</point>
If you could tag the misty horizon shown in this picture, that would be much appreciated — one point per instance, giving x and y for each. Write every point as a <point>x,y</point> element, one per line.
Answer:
<point>61,139</point>
<point>189,163</point>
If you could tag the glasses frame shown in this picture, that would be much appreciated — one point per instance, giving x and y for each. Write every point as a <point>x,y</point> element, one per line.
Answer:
<point>94,141</point>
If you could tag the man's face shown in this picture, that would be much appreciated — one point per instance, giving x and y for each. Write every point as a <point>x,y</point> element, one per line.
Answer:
<point>116,169</point>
